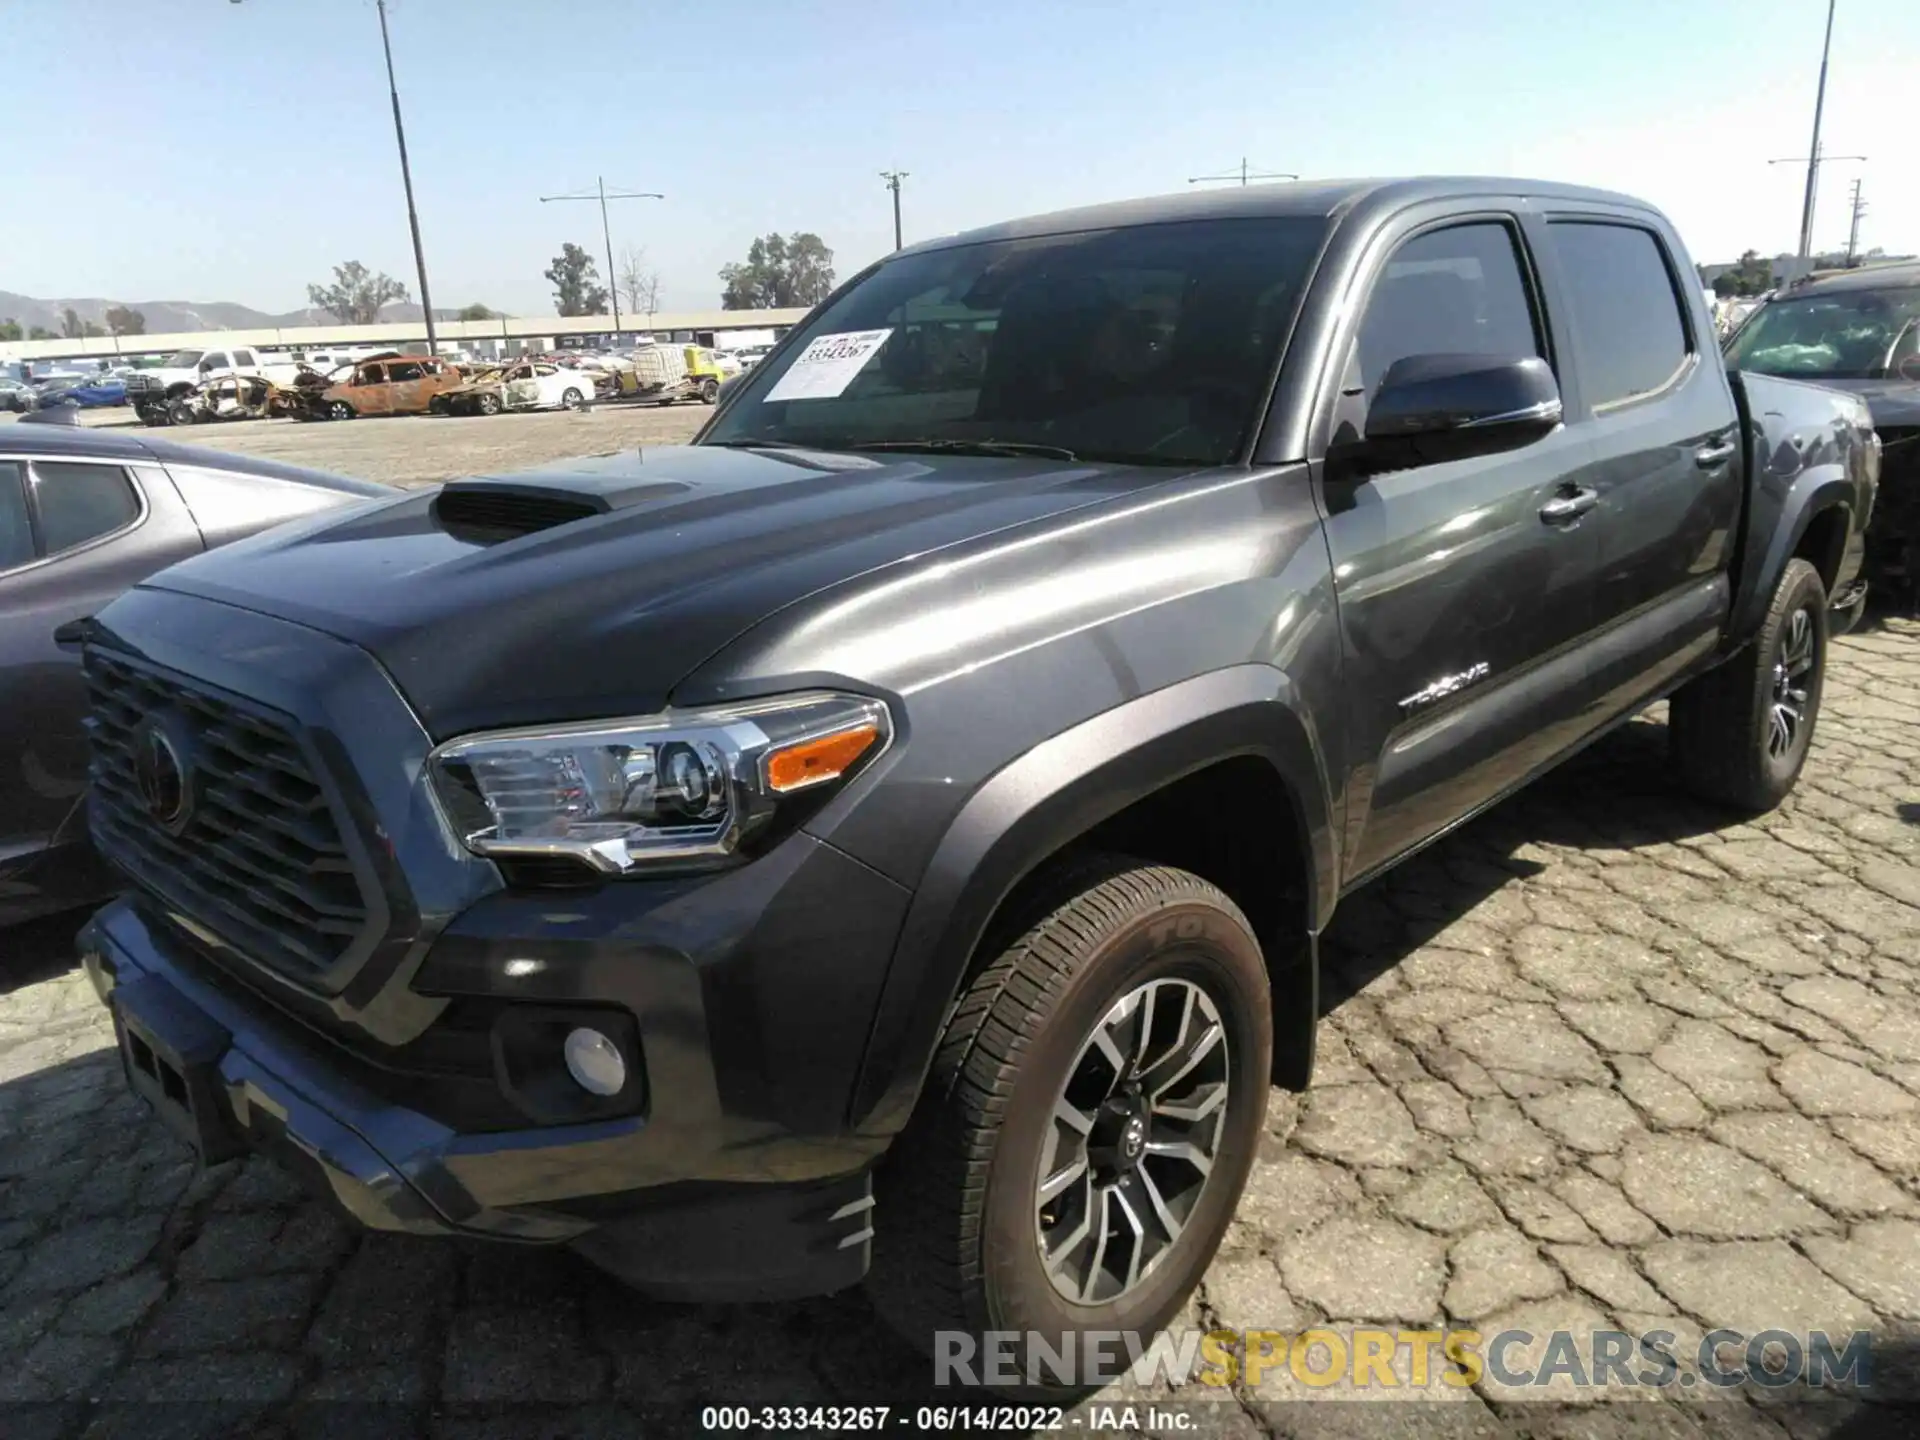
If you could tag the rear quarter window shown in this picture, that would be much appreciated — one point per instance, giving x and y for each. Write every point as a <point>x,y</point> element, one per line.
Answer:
<point>79,502</point>
<point>1628,329</point>
<point>16,535</point>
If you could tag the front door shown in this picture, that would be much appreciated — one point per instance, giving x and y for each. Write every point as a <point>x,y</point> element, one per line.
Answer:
<point>369,392</point>
<point>1459,602</point>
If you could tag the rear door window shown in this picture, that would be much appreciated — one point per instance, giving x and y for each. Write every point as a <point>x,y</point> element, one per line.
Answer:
<point>16,532</point>
<point>1624,308</point>
<point>405,370</point>
<point>79,502</point>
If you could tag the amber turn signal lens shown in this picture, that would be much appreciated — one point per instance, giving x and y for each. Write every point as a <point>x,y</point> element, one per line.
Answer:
<point>812,761</point>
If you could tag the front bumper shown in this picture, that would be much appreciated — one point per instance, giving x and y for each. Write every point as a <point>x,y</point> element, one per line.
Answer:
<point>248,1080</point>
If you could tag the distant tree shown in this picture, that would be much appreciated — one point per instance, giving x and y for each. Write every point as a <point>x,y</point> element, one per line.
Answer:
<point>40,332</point>
<point>639,283</point>
<point>356,295</point>
<point>476,312</point>
<point>576,283</point>
<point>1750,275</point>
<point>123,321</point>
<point>71,327</point>
<point>10,329</point>
<point>780,272</point>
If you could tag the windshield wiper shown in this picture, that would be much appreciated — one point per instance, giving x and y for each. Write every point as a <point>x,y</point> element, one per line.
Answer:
<point>972,447</point>
<point>761,445</point>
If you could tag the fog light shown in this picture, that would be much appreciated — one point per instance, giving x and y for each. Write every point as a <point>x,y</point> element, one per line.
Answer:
<point>594,1062</point>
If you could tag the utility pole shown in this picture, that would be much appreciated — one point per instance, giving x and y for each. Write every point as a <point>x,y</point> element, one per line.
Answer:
<point>606,232</point>
<point>1243,175</point>
<point>893,179</point>
<point>1853,231</point>
<point>406,179</point>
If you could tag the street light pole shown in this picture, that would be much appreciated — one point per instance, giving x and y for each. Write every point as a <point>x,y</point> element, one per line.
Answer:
<point>406,180</point>
<point>606,231</point>
<point>1813,155</point>
<point>893,179</point>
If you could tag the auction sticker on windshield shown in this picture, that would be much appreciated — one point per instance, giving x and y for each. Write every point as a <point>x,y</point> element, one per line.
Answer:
<point>828,364</point>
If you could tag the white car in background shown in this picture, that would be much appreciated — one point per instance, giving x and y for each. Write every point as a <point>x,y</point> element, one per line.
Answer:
<point>528,385</point>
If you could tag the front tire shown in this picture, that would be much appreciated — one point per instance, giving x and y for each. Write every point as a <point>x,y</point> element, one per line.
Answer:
<point>1740,733</point>
<point>709,392</point>
<point>339,410</point>
<point>1089,1121</point>
<point>488,404</point>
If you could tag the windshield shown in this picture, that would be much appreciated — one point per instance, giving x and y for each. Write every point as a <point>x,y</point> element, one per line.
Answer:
<point>1843,335</point>
<point>1154,344</point>
<point>183,359</point>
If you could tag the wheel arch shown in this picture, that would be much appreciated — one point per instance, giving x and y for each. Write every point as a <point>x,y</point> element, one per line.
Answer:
<point>1815,521</point>
<point>1237,736</point>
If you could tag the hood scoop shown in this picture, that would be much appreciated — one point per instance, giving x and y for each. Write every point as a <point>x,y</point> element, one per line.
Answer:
<point>503,509</point>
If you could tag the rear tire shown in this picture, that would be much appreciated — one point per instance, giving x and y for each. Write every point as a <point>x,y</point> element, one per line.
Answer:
<point>1740,733</point>
<point>966,1239</point>
<point>570,398</point>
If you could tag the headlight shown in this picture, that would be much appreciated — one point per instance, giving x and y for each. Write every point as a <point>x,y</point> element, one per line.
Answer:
<point>686,786</point>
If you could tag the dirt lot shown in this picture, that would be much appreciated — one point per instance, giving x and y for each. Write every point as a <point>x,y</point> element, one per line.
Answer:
<point>420,449</point>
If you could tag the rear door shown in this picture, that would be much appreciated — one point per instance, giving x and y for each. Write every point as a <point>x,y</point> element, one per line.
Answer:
<point>73,535</point>
<point>1461,607</point>
<point>1655,405</point>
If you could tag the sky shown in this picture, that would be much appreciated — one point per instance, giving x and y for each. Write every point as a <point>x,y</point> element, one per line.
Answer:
<point>237,151</point>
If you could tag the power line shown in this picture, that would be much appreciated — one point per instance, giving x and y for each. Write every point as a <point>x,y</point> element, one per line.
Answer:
<point>606,231</point>
<point>893,179</point>
<point>1243,175</point>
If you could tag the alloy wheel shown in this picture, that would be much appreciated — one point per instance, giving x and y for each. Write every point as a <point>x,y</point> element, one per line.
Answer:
<point>1791,672</point>
<point>1132,1140</point>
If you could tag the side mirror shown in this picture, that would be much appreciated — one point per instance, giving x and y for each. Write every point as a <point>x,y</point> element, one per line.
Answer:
<point>1432,408</point>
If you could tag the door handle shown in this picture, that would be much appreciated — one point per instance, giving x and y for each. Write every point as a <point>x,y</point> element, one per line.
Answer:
<point>1565,509</point>
<point>1708,456</point>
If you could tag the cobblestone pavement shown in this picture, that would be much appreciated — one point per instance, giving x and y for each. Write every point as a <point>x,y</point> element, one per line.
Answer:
<point>1598,1060</point>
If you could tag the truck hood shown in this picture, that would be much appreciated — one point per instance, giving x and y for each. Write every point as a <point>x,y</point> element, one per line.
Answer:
<point>598,615</point>
<point>1894,403</point>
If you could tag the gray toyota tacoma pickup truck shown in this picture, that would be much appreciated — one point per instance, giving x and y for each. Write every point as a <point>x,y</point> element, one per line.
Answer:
<point>887,839</point>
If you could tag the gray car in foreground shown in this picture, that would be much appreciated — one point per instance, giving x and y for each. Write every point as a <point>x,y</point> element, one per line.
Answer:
<point>84,513</point>
<point>889,838</point>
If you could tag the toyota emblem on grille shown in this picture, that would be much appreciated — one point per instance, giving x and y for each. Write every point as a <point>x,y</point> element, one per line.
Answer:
<point>162,774</point>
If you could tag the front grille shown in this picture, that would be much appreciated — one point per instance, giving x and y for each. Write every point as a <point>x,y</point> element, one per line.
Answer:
<point>259,860</point>
<point>138,383</point>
